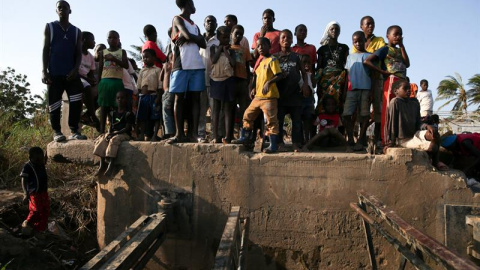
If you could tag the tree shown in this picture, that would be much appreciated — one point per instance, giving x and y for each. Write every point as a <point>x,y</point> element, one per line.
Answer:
<point>474,93</point>
<point>453,90</point>
<point>16,97</point>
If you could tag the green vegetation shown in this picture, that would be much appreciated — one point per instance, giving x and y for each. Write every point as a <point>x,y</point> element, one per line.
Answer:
<point>453,90</point>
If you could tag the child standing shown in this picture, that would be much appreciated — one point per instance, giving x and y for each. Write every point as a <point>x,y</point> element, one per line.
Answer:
<point>425,98</point>
<point>291,94</point>
<point>112,62</point>
<point>222,83</point>
<point>149,84</point>
<point>404,126</point>
<point>267,31</point>
<point>394,61</point>
<point>151,43</point>
<point>231,21</point>
<point>241,74</point>
<point>106,145</point>
<point>168,98</point>
<point>35,187</point>
<point>357,96</point>
<point>265,95</point>
<point>327,123</point>
<point>303,48</point>
<point>86,73</point>
<point>308,103</point>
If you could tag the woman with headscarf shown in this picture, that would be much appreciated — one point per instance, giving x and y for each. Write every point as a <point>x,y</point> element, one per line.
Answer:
<point>332,57</point>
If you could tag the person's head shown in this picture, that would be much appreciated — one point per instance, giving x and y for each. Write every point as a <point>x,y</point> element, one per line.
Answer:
<point>186,6</point>
<point>329,104</point>
<point>133,63</point>
<point>424,85</point>
<point>367,24</point>
<point>268,18</point>
<point>150,32</point>
<point>148,57</point>
<point>63,9</point>
<point>36,155</point>
<point>306,62</point>
<point>88,40</point>
<point>401,88</point>
<point>237,34</point>
<point>301,32</point>
<point>169,32</point>
<point>113,39</point>
<point>358,41</point>
<point>394,35</point>
<point>121,99</point>
<point>286,38</point>
<point>334,31</point>
<point>210,24</point>
<point>223,35</point>
<point>100,47</point>
<point>230,21</point>
<point>435,119</point>
<point>263,46</point>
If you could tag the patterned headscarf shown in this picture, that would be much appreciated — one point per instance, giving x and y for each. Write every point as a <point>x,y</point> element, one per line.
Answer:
<point>325,38</point>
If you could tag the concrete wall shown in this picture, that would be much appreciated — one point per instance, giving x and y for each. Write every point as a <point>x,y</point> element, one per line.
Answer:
<point>298,203</point>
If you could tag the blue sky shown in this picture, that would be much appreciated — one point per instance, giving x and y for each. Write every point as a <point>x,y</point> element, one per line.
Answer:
<point>441,37</point>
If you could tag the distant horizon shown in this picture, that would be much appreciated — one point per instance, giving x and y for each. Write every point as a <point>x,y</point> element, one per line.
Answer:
<point>431,58</point>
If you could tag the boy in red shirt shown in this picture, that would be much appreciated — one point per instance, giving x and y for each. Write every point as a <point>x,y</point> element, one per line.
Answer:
<point>151,43</point>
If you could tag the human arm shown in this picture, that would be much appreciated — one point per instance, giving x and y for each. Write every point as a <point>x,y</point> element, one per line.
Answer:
<point>215,52</point>
<point>120,62</point>
<point>405,58</point>
<point>306,91</point>
<point>275,79</point>
<point>253,86</point>
<point>228,53</point>
<point>185,36</point>
<point>24,187</point>
<point>46,56</point>
<point>78,58</point>
<point>100,64</point>
<point>369,63</point>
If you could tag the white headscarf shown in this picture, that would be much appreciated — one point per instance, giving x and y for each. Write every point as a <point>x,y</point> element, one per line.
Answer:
<point>325,37</point>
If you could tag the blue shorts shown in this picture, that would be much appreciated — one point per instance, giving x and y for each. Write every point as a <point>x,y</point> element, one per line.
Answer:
<point>147,110</point>
<point>182,81</point>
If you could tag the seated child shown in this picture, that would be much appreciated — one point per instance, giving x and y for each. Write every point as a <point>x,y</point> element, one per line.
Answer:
<point>264,95</point>
<point>149,84</point>
<point>404,126</point>
<point>222,84</point>
<point>35,187</point>
<point>86,71</point>
<point>106,145</point>
<point>328,123</point>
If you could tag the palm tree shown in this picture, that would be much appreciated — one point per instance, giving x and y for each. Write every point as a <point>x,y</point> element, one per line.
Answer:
<point>453,90</point>
<point>474,93</point>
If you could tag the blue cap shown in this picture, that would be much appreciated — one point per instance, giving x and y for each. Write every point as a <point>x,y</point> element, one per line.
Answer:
<point>449,140</point>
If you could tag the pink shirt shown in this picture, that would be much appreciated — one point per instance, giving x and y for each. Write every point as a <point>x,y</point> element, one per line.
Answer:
<point>88,63</point>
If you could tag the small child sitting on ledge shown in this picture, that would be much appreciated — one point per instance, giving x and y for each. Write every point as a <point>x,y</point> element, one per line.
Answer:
<point>106,145</point>
<point>404,126</point>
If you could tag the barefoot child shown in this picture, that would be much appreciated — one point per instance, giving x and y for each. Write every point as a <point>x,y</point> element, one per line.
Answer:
<point>328,123</point>
<point>291,93</point>
<point>112,62</point>
<point>394,61</point>
<point>222,84</point>
<point>35,186</point>
<point>106,145</point>
<point>264,95</point>
<point>404,126</point>
<point>149,84</point>
<point>87,76</point>
<point>358,92</point>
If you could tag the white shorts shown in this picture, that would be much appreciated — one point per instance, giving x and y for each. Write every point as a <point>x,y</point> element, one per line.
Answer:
<point>417,142</point>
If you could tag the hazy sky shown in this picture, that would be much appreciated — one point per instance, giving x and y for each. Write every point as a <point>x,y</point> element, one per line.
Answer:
<point>441,37</point>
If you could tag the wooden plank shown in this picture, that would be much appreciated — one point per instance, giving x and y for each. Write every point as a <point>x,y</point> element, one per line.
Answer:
<point>129,255</point>
<point>406,253</point>
<point>437,251</point>
<point>224,252</point>
<point>151,251</point>
<point>368,237</point>
<point>108,251</point>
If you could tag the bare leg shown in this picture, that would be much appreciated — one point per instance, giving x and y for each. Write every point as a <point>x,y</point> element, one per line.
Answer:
<point>229,118</point>
<point>217,107</point>
<point>103,118</point>
<point>195,96</point>
<point>318,137</point>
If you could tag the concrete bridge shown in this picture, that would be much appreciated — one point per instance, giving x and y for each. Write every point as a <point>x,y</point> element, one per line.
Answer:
<point>297,203</point>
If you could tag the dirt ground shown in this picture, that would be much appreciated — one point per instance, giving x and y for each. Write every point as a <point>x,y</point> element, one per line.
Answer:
<point>70,240</point>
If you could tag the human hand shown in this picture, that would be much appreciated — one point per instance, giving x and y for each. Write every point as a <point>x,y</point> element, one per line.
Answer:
<point>72,74</point>
<point>263,30</point>
<point>265,88</point>
<point>180,41</point>
<point>46,77</point>
<point>109,57</point>
<point>252,93</point>
<point>144,89</point>
<point>400,42</point>
<point>306,91</point>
